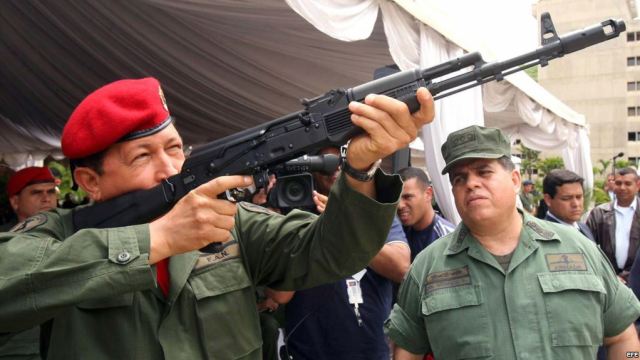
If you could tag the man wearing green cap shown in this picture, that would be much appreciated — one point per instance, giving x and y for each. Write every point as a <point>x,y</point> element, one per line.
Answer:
<point>505,285</point>
<point>526,197</point>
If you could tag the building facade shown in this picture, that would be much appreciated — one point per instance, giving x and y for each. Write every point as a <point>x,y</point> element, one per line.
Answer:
<point>603,81</point>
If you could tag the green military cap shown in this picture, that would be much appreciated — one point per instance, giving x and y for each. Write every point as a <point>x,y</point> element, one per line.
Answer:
<point>474,142</point>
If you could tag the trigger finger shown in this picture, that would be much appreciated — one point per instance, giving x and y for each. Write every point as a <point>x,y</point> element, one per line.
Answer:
<point>427,107</point>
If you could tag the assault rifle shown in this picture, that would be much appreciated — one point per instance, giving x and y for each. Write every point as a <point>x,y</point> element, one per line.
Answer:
<point>325,121</point>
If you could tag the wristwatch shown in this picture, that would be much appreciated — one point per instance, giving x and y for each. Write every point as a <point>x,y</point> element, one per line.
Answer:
<point>363,176</point>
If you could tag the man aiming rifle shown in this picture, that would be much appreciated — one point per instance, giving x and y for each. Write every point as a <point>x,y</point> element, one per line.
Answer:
<point>126,279</point>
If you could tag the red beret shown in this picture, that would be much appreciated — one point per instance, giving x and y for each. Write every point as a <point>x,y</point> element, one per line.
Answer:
<point>119,111</point>
<point>28,176</point>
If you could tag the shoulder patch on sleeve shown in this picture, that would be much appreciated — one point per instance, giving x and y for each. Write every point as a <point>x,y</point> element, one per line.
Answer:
<point>29,223</point>
<point>256,208</point>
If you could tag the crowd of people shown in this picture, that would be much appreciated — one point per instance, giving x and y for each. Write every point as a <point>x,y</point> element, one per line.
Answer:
<point>372,272</point>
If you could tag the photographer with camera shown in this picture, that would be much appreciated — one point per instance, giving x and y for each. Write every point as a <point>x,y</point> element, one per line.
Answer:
<point>344,320</point>
<point>300,181</point>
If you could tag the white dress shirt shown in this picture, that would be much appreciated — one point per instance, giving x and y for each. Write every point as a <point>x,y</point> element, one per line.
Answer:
<point>624,218</point>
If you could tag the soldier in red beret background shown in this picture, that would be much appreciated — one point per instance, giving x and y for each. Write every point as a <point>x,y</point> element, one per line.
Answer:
<point>30,191</point>
<point>146,291</point>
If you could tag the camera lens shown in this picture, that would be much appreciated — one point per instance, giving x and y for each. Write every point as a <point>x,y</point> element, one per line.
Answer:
<point>294,191</point>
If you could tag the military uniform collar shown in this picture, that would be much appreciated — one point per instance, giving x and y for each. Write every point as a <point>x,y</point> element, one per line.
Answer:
<point>532,226</point>
<point>461,237</point>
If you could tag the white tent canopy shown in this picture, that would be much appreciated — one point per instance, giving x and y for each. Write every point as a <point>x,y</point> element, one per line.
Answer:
<point>497,29</point>
<point>227,65</point>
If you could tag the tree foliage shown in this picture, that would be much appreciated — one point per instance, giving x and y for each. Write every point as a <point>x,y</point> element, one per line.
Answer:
<point>67,192</point>
<point>599,196</point>
<point>548,164</point>
<point>532,72</point>
<point>603,169</point>
<point>622,164</point>
<point>530,159</point>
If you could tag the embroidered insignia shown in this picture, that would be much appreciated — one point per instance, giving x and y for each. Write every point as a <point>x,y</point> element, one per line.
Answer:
<point>448,279</point>
<point>547,234</point>
<point>464,138</point>
<point>462,234</point>
<point>229,250</point>
<point>566,262</point>
<point>29,223</point>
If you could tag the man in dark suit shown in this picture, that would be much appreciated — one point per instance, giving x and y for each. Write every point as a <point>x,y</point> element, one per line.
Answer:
<point>564,196</point>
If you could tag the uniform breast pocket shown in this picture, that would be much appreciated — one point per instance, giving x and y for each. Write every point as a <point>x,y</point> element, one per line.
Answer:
<point>109,311</point>
<point>458,315</point>
<point>574,304</point>
<point>226,310</point>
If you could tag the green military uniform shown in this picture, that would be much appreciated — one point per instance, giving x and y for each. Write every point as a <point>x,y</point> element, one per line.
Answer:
<point>24,345</point>
<point>527,201</point>
<point>557,300</point>
<point>102,294</point>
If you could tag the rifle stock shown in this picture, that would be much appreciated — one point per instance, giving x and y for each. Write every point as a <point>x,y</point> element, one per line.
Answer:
<point>324,121</point>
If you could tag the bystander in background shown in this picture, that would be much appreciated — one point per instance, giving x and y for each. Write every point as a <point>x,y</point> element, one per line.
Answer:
<point>616,225</point>
<point>344,319</point>
<point>564,195</point>
<point>30,191</point>
<point>527,197</point>
<point>420,222</point>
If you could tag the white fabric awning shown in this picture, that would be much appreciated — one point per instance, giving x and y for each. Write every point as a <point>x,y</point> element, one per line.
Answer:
<point>229,65</point>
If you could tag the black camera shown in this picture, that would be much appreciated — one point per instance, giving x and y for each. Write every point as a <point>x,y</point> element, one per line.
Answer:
<point>294,186</point>
<point>293,192</point>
